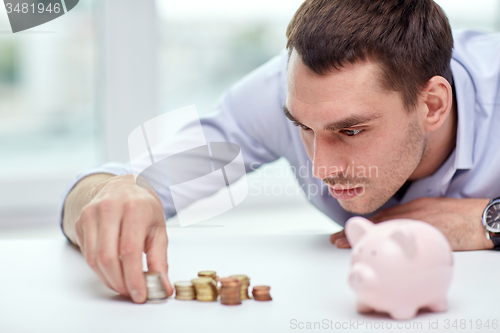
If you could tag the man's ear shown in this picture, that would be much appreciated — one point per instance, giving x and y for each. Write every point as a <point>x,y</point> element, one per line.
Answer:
<point>438,99</point>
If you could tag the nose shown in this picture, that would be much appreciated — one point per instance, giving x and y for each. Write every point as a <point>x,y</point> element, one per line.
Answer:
<point>327,161</point>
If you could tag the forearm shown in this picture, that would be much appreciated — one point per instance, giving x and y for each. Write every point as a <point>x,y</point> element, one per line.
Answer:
<point>79,196</point>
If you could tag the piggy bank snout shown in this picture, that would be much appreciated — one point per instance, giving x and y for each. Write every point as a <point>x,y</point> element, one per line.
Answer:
<point>361,276</point>
<point>356,280</point>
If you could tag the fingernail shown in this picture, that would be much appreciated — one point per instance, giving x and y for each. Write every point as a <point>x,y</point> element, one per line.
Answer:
<point>342,242</point>
<point>136,296</point>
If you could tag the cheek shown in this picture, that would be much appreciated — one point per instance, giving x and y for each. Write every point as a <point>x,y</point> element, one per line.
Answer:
<point>384,146</point>
<point>373,151</point>
<point>392,156</point>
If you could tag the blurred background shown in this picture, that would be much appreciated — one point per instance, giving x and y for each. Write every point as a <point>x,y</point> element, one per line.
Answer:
<point>72,90</point>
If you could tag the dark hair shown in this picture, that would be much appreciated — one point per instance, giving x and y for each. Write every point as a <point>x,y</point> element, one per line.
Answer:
<point>410,39</point>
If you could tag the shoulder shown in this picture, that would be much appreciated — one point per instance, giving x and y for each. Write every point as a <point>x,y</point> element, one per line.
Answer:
<point>470,45</point>
<point>262,90</point>
<point>256,102</point>
<point>478,53</point>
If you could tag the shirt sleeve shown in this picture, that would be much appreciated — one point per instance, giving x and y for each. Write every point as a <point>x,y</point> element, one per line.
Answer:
<point>241,117</point>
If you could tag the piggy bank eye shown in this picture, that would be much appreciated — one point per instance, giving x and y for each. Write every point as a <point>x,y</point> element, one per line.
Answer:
<point>374,253</point>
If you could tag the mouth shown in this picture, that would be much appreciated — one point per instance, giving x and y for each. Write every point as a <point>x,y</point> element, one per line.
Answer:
<point>344,193</point>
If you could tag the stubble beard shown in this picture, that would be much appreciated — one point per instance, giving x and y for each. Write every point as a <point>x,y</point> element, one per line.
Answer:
<point>389,182</point>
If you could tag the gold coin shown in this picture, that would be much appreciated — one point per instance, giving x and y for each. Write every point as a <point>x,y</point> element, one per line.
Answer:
<point>202,280</point>
<point>241,277</point>
<point>207,273</point>
<point>184,298</point>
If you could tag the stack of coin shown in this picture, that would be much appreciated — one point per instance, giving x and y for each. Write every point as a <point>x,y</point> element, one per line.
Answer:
<point>184,290</point>
<point>210,274</point>
<point>261,293</point>
<point>205,289</point>
<point>245,282</point>
<point>156,289</point>
<point>230,291</point>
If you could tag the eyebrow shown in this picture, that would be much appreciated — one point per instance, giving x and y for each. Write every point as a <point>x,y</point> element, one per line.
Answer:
<point>341,124</point>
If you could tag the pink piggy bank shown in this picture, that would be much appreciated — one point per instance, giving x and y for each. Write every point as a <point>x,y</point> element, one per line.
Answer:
<point>399,266</point>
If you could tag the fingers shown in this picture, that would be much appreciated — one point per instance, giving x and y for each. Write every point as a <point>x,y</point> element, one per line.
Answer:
<point>340,240</point>
<point>87,239</point>
<point>108,220</point>
<point>120,223</point>
<point>337,235</point>
<point>342,243</point>
<point>131,247</point>
<point>156,253</point>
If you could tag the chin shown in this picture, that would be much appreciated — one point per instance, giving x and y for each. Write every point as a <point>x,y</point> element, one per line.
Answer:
<point>359,207</point>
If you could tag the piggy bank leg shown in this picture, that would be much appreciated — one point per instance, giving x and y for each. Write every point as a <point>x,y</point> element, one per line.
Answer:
<point>439,306</point>
<point>363,308</point>
<point>403,313</point>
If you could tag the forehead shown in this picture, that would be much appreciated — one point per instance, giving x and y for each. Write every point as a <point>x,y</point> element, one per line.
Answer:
<point>352,86</point>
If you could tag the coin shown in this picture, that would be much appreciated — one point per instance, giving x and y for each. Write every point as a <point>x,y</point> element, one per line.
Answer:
<point>230,282</point>
<point>230,291</point>
<point>156,289</point>
<point>184,290</point>
<point>207,273</point>
<point>261,289</point>
<point>261,293</point>
<point>205,289</point>
<point>245,282</point>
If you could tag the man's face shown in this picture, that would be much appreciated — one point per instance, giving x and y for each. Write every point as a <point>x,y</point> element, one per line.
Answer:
<point>361,140</point>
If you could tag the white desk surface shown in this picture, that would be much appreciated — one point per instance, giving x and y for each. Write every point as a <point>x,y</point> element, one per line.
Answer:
<point>46,286</point>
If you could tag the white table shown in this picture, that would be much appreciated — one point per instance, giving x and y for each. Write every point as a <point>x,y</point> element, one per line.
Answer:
<point>46,286</point>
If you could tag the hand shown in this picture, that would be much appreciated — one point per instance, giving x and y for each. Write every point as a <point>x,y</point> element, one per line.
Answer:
<point>120,222</point>
<point>458,219</point>
<point>340,240</point>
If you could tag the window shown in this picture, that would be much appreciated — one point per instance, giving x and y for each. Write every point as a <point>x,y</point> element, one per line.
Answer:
<point>48,125</point>
<point>206,46</point>
<point>61,99</point>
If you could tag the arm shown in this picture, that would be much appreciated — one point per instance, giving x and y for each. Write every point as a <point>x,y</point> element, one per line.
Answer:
<point>113,220</point>
<point>458,219</point>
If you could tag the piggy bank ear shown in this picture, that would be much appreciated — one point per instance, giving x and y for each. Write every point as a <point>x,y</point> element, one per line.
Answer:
<point>405,239</point>
<point>356,227</point>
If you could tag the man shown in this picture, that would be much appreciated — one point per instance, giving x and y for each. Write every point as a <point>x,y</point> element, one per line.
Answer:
<point>371,87</point>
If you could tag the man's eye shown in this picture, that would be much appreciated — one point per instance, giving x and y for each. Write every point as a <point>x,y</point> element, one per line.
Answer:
<point>304,127</point>
<point>351,132</point>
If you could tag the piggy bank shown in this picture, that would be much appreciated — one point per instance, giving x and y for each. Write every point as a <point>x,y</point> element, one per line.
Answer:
<point>399,266</point>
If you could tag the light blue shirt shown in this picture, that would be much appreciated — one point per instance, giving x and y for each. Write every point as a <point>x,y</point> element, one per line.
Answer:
<point>250,114</point>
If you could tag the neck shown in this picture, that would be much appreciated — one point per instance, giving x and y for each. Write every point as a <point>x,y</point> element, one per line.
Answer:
<point>440,145</point>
